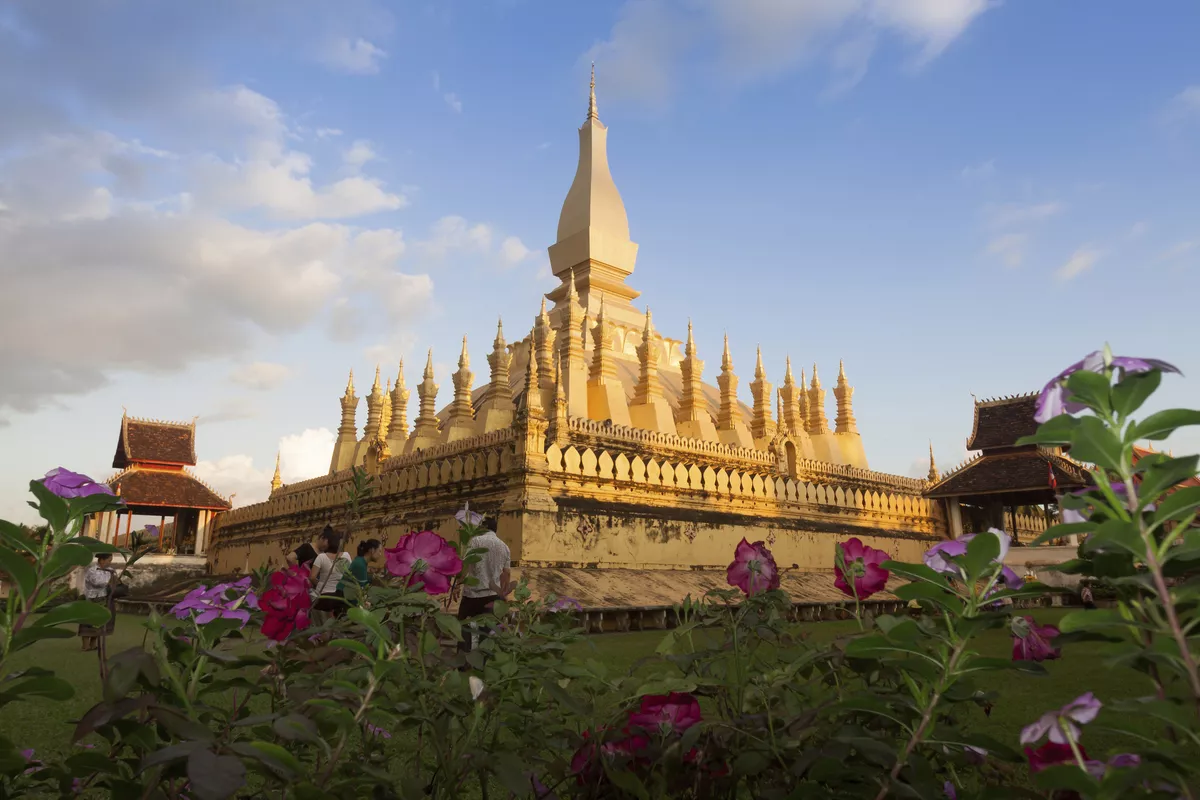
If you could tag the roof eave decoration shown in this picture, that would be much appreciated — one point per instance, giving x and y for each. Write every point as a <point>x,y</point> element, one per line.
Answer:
<point>990,402</point>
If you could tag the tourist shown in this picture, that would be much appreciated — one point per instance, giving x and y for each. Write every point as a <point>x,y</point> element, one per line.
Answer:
<point>1085,594</point>
<point>369,552</point>
<point>97,588</point>
<point>492,579</point>
<point>327,570</point>
<point>303,556</point>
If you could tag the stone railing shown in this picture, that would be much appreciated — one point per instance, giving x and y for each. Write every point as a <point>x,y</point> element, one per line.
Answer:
<point>308,484</point>
<point>761,490</point>
<point>826,472</point>
<point>592,432</point>
<point>471,443</point>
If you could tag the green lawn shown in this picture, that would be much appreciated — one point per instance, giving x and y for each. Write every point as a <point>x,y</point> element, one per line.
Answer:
<point>45,725</point>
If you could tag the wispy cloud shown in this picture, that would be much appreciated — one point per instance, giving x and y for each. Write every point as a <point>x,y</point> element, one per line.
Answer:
<point>1183,107</point>
<point>452,100</point>
<point>979,172</point>
<point>1080,262</point>
<point>1011,215</point>
<point>356,57</point>
<point>1009,248</point>
<point>1137,230</point>
<point>260,375</point>
<point>1180,249</point>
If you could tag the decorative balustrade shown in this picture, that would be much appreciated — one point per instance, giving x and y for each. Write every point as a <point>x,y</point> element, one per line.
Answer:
<point>751,486</point>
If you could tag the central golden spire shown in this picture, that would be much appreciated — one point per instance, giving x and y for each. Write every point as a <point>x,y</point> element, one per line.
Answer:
<point>592,99</point>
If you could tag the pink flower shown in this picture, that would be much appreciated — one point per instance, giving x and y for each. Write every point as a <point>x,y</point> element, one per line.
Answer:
<point>286,604</point>
<point>753,569</point>
<point>1031,642</point>
<point>583,765</point>
<point>671,713</point>
<point>427,557</point>
<point>860,563</point>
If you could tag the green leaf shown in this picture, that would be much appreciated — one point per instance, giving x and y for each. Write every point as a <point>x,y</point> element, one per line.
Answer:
<point>1129,393</point>
<point>50,506</point>
<point>79,611</point>
<point>626,780</point>
<point>371,622</point>
<point>1093,441</point>
<point>1115,535</point>
<point>942,597</point>
<point>1164,473</point>
<point>915,572</point>
<point>1062,531</point>
<point>1066,776</point>
<point>1095,619</point>
<point>1091,388</point>
<point>23,575</point>
<point>449,625</point>
<point>181,726</point>
<point>47,686</point>
<point>1178,504</point>
<point>65,558</point>
<point>14,536</point>
<point>275,758</point>
<point>354,646</point>
<point>214,777</point>
<point>982,552</point>
<point>80,507</point>
<point>1162,424</point>
<point>1056,430</point>
<point>96,546</point>
<point>27,636</point>
<point>512,773</point>
<point>297,727</point>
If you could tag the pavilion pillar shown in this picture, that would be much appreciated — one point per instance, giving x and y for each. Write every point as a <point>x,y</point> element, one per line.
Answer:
<point>109,516</point>
<point>128,527</point>
<point>955,518</point>
<point>202,531</point>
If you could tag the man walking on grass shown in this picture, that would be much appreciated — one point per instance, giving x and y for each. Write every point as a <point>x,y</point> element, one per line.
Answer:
<point>493,580</point>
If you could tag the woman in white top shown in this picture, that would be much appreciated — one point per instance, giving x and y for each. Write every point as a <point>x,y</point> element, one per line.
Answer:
<point>327,571</point>
<point>97,579</point>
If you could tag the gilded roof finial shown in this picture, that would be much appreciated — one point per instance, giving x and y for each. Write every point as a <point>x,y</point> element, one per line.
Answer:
<point>592,98</point>
<point>464,360</point>
<point>726,358</point>
<point>375,386</point>
<point>572,295</point>
<point>690,348</point>
<point>759,370</point>
<point>276,481</point>
<point>647,329</point>
<point>350,384</point>
<point>543,311</point>
<point>841,371</point>
<point>788,379</point>
<point>816,382</point>
<point>429,364</point>
<point>499,340</point>
<point>933,473</point>
<point>400,375</point>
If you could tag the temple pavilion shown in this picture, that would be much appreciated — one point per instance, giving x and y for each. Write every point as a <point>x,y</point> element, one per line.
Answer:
<point>154,481</point>
<point>988,489</point>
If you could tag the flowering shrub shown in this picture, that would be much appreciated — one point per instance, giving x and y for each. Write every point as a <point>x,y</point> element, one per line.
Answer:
<point>238,692</point>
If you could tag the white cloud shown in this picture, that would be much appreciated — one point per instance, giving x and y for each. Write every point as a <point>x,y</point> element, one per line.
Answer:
<point>1009,248</point>
<point>326,133</point>
<point>231,410</point>
<point>454,234</point>
<point>452,100</point>
<point>750,40</point>
<point>301,456</point>
<point>1184,106</point>
<point>358,154</point>
<point>513,250</point>
<point>354,56</point>
<point>1080,262</point>
<point>437,81</point>
<point>979,172</point>
<point>1137,230</point>
<point>305,455</point>
<point>1014,214</point>
<point>261,375</point>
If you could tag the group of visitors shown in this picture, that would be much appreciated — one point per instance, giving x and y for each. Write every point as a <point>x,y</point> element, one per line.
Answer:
<point>331,570</point>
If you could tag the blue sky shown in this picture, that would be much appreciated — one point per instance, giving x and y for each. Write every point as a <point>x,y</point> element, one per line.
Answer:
<point>219,209</point>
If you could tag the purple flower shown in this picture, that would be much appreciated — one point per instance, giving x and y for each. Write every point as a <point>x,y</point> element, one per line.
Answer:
<point>223,601</point>
<point>468,517</point>
<point>949,790</point>
<point>939,558</point>
<point>1063,723</point>
<point>1098,769</point>
<point>375,730</point>
<point>566,604</point>
<point>35,765</point>
<point>1052,401</point>
<point>67,484</point>
<point>1032,642</point>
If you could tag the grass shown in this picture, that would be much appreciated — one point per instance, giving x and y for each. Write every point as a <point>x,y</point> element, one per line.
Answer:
<point>46,725</point>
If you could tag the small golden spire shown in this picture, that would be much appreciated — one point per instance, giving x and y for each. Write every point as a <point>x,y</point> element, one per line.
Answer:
<point>464,360</point>
<point>788,379</point>
<point>690,347</point>
<point>572,295</point>
<point>592,97</point>
<point>400,375</point>
<point>375,386</point>
<point>276,481</point>
<point>543,311</point>
<point>429,364</point>
<point>726,358</point>
<point>841,370</point>
<point>933,472</point>
<point>499,340</point>
<point>816,382</point>
<point>350,385</point>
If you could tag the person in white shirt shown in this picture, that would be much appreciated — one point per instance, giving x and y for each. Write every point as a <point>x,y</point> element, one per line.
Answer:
<point>97,580</point>
<point>327,570</point>
<point>492,575</point>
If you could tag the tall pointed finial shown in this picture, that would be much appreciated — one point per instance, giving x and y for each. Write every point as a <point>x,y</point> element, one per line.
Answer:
<point>429,364</point>
<point>350,385</point>
<point>726,358</point>
<point>572,295</point>
<point>933,472</point>
<point>400,375</point>
<point>464,360</point>
<point>276,481</point>
<point>543,311</point>
<point>788,380</point>
<point>375,386</point>
<point>500,329</point>
<point>690,347</point>
<point>815,380</point>
<point>592,98</point>
<point>841,370</point>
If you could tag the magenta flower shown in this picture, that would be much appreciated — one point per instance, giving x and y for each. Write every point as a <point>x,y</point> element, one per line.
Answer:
<point>566,604</point>
<point>670,713</point>
<point>67,484</point>
<point>1098,769</point>
<point>1052,401</point>
<point>1051,755</point>
<point>426,557</point>
<point>286,604</point>
<point>861,564</point>
<point>1064,722</point>
<point>949,790</point>
<point>375,730</point>
<point>223,601</point>
<point>753,569</point>
<point>1031,642</point>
